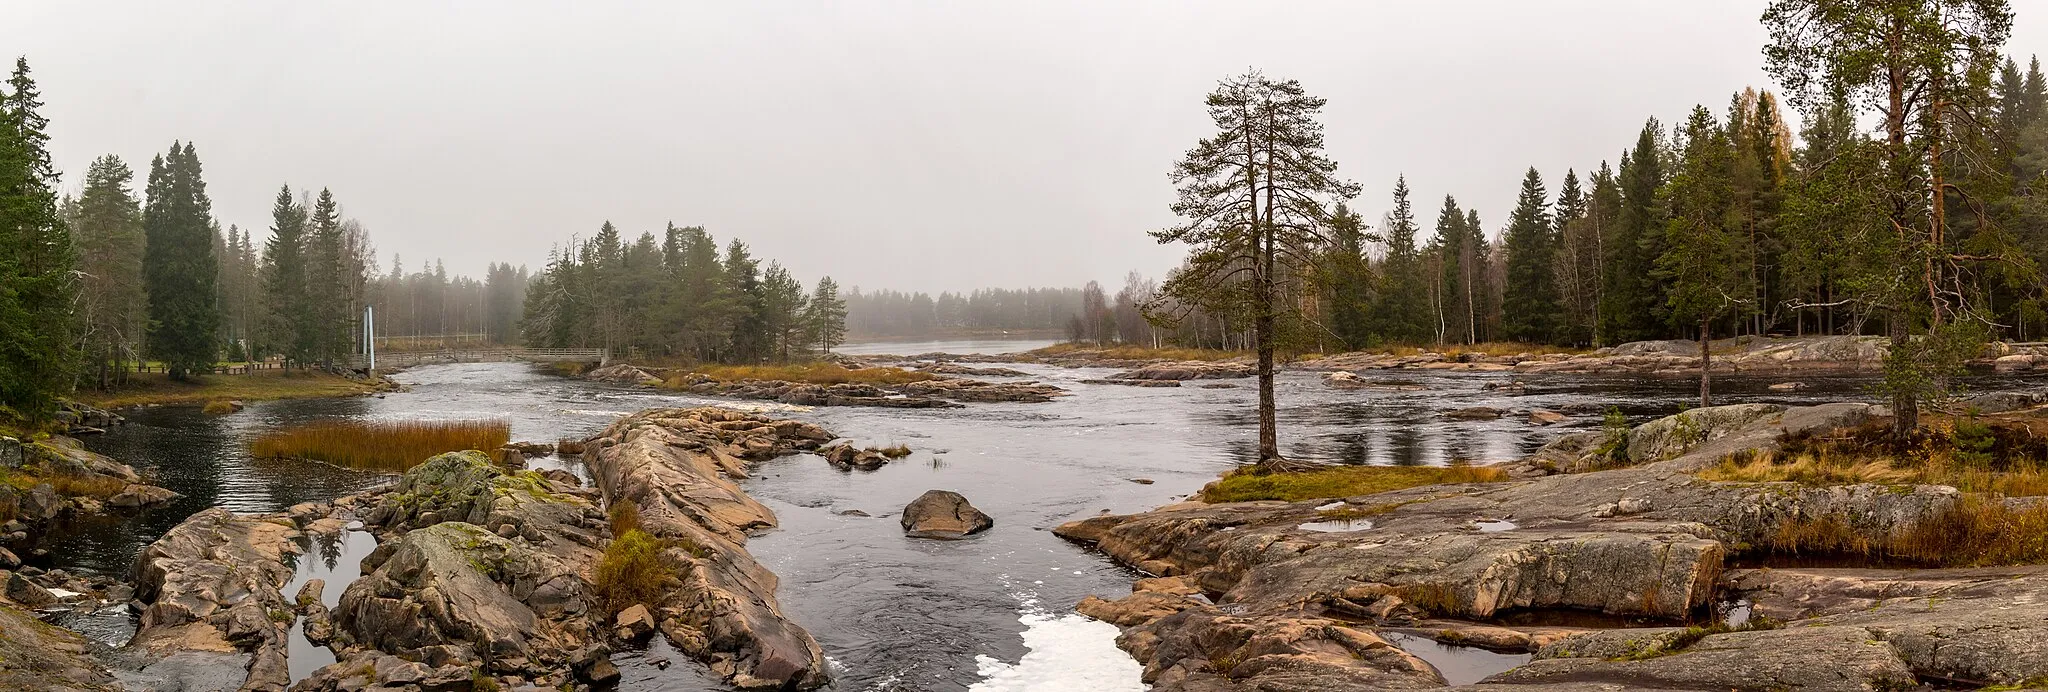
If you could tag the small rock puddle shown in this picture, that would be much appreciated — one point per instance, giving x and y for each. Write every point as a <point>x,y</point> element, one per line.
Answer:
<point>337,560</point>
<point>1460,665</point>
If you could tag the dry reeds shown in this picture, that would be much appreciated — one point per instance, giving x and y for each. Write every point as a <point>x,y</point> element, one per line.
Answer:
<point>1250,483</point>
<point>381,445</point>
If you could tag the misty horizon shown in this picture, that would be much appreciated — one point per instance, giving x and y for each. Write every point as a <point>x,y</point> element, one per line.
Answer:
<point>901,147</point>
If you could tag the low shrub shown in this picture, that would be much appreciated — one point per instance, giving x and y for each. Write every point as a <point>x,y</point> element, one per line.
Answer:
<point>625,518</point>
<point>632,571</point>
<point>381,445</point>
<point>1252,483</point>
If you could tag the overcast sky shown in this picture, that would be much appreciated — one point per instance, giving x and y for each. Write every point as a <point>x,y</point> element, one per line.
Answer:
<point>909,145</point>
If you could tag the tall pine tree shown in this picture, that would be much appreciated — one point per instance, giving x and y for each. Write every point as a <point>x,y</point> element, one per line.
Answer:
<point>37,290</point>
<point>179,268</point>
<point>108,230</point>
<point>1529,308</point>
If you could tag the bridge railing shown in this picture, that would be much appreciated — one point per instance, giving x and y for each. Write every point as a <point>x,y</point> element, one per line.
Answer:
<point>483,355</point>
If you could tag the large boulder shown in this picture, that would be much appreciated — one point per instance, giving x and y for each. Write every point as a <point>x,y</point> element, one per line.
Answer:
<point>456,583</point>
<point>213,613</point>
<point>944,515</point>
<point>1672,436</point>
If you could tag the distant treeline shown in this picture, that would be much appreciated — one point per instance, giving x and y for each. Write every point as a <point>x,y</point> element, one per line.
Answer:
<point>897,314</point>
<point>676,296</point>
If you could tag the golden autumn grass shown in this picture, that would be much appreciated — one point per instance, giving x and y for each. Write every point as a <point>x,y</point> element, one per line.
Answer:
<point>1975,531</point>
<point>2006,457</point>
<point>817,372</point>
<point>156,388</point>
<point>1249,483</point>
<point>381,445</point>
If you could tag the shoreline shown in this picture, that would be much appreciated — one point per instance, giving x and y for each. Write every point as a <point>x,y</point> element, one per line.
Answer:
<point>157,390</point>
<point>1383,591</point>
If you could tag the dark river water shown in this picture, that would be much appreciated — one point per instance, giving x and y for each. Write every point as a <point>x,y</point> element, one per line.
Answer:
<point>993,613</point>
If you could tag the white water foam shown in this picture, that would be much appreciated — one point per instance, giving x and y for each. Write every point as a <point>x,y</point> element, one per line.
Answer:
<point>1066,653</point>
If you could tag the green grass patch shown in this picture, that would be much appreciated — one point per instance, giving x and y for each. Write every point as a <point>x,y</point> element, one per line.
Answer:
<point>152,388</point>
<point>1252,483</point>
<point>381,445</point>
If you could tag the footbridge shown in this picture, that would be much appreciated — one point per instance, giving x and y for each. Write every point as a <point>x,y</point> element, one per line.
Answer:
<point>406,359</point>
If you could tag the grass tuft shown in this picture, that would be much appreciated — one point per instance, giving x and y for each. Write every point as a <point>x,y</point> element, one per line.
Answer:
<point>625,518</point>
<point>381,445</point>
<point>1250,483</point>
<point>632,571</point>
<point>218,407</point>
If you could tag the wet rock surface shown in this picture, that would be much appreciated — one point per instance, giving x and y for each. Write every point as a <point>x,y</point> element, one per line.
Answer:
<point>1251,599</point>
<point>212,615</point>
<point>944,515</point>
<point>678,467</point>
<point>479,572</point>
<point>35,655</point>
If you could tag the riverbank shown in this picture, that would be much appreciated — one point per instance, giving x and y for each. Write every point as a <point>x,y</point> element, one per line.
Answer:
<point>157,389</point>
<point>1637,572</point>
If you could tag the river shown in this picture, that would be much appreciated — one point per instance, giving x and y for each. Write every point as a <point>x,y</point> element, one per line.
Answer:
<point>992,613</point>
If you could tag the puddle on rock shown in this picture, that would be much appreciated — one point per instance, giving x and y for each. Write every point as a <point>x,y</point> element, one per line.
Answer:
<point>1461,665</point>
<point>338,560</point>
<point>1337,525</point>
<point>1494,525</point>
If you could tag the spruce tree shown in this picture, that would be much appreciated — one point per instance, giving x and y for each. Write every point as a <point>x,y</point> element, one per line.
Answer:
<point>1632,293</point>
<point>1477,268</point>
<point>749,338</point>
<point>37,289</point>
<point>1402,312</point>
<point>108,230</point>
<point>179,268</point>
<point>288,327</point>
<point>1529,309</point>
<point>1349,277</point>
<point>1449,247</point>
<point>1577,262</point>
<point>331,327</point>
<point>1603,215</point>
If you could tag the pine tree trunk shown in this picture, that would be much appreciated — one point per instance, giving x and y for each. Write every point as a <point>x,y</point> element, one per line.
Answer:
<point>1706,364</point>
<point>1905,406</point>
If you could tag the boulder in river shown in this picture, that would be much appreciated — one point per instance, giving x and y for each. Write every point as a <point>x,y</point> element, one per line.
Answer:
<point>1475,413</point>
<point>944,515</point>
<point>1546,417</point>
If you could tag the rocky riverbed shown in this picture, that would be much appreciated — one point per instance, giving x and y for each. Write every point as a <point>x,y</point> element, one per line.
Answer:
<point>1276,596</point>
<point>940,391</point>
